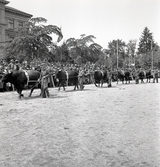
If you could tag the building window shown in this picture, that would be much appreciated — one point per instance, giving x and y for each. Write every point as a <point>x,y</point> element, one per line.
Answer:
<point>11,24</point>
<point>20,24</point>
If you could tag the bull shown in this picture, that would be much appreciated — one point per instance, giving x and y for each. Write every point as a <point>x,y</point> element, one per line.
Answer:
<point>142,75</point>
<point>67,77</point>
<point>128,76</point>
<point>119,75</point>
<point>148,75</point>
<point>20,79</point>
<point>102,76</point>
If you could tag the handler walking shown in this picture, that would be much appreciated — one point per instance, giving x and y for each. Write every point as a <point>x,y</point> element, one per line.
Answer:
<point>44,84</point>
<point>80,78</point>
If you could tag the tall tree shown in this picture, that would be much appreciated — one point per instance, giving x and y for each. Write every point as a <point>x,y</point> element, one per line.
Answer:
<point>34,40</point>
<point>147,49</point>
<point>146,42</point>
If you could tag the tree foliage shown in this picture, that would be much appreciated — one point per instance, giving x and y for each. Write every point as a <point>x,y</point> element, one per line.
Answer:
<point>146,42</point>
<point>79,50</point>
<point>117,53</point>
<point>148,50</point>
<point>33,41</point>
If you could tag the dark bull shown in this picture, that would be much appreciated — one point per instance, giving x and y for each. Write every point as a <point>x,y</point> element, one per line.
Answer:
<point>102,76</point>
<point>65,77</point>
<point>20,79</point>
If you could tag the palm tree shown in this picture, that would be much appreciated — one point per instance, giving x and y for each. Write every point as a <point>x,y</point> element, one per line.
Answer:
<point>96,53</point>
<point>34,40</point>
<point>78,48</point>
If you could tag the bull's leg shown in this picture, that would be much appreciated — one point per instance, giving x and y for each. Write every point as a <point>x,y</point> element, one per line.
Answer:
<point>76,86</point>
<point>19,91</point>
<point>59,88</point>
<point>118,79</point>
<point>96,85</point>
<point>122,80</point>
<point>22,95</point>
<point>109,85</point>
<point>102,83</point>
<point>64,87</point>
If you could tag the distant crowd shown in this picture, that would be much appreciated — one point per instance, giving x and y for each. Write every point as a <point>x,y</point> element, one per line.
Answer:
<point>15,65</point>
<point>88,67</point>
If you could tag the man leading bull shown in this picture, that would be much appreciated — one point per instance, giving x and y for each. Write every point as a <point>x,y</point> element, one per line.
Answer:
<point>81,78</point>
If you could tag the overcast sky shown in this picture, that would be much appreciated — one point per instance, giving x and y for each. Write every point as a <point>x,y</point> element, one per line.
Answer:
<point>105,19</point>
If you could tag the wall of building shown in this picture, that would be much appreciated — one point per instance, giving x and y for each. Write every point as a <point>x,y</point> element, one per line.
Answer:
<point>6,14</point>
<point>2,28</point>
<point>17,18</point>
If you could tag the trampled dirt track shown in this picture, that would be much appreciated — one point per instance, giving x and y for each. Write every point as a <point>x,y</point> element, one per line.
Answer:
<point>96,127</point>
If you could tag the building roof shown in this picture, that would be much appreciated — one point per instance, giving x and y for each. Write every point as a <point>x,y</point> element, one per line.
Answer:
<point>16,11</point>
<point>4,1</point>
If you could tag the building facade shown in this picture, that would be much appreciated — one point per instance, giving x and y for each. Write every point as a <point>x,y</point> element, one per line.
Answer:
<point>10,20</point>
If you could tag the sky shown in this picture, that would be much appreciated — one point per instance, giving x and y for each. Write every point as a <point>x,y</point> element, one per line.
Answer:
<point>106,20</point>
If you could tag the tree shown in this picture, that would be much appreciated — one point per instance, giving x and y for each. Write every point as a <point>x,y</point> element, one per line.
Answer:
<point>60,53</point>
<point>33,41</point>
<point>117,52</point>
<point>148,50</point>
<point>131,52</point>
<point>146,42</point>
<point>79,49</point>
<point>95,53</point>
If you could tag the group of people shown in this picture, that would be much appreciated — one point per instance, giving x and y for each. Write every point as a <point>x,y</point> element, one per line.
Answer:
<point>86,71</point>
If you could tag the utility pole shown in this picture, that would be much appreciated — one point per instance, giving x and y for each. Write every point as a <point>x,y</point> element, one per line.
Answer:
<point>134,60</point>
<point>117,53</point>
<point>152,53</point>
<point>129,57</point>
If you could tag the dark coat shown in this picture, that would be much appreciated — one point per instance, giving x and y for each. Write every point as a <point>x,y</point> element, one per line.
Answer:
<point>67,77</point>
<point>101,76</point>
<point>20,79</point>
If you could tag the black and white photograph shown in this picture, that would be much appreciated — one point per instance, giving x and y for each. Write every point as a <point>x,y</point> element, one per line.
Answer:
<point>79,83</point>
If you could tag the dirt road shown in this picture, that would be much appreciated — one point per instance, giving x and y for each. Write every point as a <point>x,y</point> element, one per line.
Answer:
<point>97,127</point>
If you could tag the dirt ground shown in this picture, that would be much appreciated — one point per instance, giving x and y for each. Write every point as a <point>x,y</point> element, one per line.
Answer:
<point>96,127</point>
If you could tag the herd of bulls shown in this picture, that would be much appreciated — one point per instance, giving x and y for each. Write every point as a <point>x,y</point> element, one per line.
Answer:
<point>128,75</point>
<point>20,79</point>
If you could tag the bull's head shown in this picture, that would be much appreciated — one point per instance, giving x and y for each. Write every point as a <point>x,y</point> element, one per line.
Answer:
<point>7,78</point>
